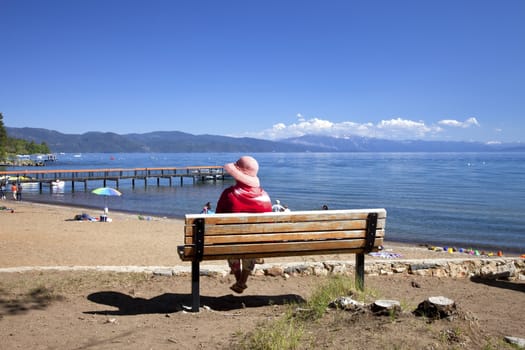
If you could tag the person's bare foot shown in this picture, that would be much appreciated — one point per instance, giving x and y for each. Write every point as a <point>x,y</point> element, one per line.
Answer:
<point>238,288</point>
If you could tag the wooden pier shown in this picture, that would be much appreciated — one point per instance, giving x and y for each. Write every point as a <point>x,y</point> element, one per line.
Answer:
<point>113,177</point>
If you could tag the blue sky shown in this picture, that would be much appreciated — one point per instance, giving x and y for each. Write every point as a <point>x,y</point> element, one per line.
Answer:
<point>425,69</point>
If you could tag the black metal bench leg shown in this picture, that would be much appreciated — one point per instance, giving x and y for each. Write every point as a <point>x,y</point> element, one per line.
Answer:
<point>360,271</point>
<point>195,289</point>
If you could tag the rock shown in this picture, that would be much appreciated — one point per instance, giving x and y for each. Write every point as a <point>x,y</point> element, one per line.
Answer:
<point>386,307</point>
<point>319,270</point>
<point>459,270</point>
<point>519,342</point>
<point>258,272</point>
<point>347,303</point>
<point>208,273</point>
<point>296,269</point>
<point>421,272</point>
<point>275,271</point>
<point>399,269</point>
<point>416,267</point>
<point>421,269</point>
<point>111,320</point>
<point>439,273</point>
<point>490,271</point>
<point>436,308</point>
<point>163,272</point>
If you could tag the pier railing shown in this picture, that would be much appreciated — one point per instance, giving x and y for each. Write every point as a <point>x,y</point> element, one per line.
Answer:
<point>115,175</point>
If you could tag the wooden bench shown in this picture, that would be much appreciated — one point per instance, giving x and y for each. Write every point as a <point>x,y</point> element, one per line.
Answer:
<point>297,233</point>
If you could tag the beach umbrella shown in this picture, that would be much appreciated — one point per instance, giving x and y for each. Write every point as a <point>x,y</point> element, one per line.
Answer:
<point>106,192</point>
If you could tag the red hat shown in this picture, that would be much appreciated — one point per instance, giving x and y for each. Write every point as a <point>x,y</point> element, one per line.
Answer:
<point>244,170</point>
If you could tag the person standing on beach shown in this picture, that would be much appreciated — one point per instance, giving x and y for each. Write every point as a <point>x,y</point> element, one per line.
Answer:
<point>13,190</point>
<point>246,196</point>
<point>2,190</point>
<point>19,192</point>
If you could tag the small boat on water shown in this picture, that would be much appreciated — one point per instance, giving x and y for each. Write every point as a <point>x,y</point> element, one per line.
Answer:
<point>213,177</point>
<point>57,186</point>
<point>58,183</point>
<point>9,179</point>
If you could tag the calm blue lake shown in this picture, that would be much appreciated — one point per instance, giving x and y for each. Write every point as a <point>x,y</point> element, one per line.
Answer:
<point>450,199</point>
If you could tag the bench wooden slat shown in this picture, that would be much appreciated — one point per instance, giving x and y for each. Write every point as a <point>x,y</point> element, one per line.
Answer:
<point>285,236</point>
<point>277,249</point>
<point>267,227</point>
<point>295,216</point>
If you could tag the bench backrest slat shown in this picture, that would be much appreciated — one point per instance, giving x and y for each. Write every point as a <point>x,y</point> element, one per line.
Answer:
<point>277,227</point>
<point>294,216</point>
<point>288,236</point>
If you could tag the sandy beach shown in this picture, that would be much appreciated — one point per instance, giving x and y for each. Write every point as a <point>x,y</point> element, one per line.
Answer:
<point>34,236</point>
<point>47,235</point>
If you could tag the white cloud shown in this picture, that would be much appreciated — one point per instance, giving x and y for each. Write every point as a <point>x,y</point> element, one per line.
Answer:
<point>403,128</point>
<point>450,122</point>
<point>280,126</point>
<point>472,121</point>
<point>300,128</point>
<point>398,128</point>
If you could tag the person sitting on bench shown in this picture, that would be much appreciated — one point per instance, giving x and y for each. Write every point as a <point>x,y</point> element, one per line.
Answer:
<point>246,196</point>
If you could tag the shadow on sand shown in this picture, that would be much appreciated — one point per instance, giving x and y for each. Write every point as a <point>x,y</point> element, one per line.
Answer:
<point>170,302</point>
<point>516,286</point>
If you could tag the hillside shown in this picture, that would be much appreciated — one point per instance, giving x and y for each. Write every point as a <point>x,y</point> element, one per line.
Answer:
<point>176,141</point>
<point>160,141</point>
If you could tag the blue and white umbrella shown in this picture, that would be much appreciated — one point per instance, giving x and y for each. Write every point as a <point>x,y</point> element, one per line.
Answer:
<point>106,192</point>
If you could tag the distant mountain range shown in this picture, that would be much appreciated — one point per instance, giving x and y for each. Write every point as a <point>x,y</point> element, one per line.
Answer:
<point>176,141</point>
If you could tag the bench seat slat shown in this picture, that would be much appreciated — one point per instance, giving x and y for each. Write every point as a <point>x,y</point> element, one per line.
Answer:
<point>277,249</point>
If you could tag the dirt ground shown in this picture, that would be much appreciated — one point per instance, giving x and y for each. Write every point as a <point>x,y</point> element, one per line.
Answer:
<point>48,309</point>
<point>105,310</point>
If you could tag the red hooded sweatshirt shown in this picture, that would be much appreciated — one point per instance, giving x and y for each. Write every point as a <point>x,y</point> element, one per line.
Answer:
<point>244,199</point>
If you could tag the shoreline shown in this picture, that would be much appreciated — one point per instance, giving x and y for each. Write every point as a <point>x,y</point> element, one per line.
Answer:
<point>95,207</point>
<point>41,234</point>
<point>481,248</point>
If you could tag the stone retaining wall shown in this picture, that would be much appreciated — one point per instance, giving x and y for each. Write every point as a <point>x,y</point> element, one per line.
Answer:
<point>490,268</point>
<point>456,268</point>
